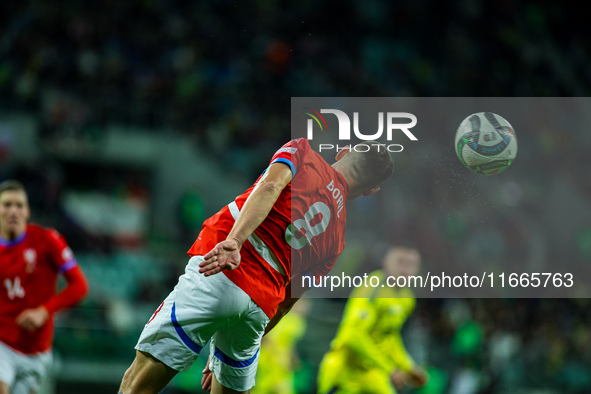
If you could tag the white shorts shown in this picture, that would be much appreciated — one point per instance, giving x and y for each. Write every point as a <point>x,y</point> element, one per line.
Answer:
<point>23,372</point>
<point>202,308</point>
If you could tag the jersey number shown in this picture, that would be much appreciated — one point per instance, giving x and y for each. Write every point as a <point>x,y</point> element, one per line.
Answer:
<point>14,288</point>
<point>304,226</point>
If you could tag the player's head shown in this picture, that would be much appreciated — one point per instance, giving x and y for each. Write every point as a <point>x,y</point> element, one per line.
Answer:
<point>402,261</point>
<point>14,209</point>
<point>365,167</point>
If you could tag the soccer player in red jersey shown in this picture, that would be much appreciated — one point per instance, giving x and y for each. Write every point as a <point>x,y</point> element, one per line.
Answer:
<point>31,257</point>
<point>291,222</point>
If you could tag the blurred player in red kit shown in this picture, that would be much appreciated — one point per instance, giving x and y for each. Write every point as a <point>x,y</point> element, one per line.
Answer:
<point>290,223</point>
<point>31,258</point>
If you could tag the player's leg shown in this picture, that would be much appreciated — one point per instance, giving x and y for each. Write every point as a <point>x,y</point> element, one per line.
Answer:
<point>32,369</point>
<point>146,375</point>
<point>174,336</point>
<point>160,353</point>
<point>235,348</point>
<point>164,347</point>
<point>8,361</point>
<point>217,388</point>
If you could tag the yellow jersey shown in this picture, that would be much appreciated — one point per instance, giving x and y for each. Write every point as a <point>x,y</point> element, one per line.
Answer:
<point>368,343</point>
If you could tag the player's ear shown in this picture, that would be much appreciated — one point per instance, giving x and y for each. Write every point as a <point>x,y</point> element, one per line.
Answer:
<point>371,191</point>
<point>343,152</point>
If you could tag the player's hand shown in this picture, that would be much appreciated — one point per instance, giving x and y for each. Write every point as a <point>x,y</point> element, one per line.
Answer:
<point>32,319</point>
<point>224,256</point>
<point>207,377</point>
<point>418,377</point>
<point>399,379</point>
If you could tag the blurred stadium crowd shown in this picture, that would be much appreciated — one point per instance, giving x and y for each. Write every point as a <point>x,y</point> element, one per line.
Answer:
<point>221,74</point>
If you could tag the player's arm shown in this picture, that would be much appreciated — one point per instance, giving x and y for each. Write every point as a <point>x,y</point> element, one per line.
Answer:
<point>400,357</point>
<point>283,308</point>
<point>405,367</point>
<point>295,290</point>
<point>404,363</point>
<point>76,289</point>
<point>226,254</point>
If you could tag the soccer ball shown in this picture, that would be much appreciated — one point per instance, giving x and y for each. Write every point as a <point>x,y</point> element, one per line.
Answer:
<point>486,143</point>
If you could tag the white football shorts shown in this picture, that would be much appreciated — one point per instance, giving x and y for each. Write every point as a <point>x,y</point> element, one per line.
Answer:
<point>23,372</point>
<point>202,308</point>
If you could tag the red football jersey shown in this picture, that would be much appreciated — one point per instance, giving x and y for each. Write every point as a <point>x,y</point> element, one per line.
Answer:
<point>303,234</point>
<point>29,267</point>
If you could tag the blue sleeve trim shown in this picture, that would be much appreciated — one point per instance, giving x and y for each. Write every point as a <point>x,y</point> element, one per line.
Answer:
<point>234,363</point>
<point>68,265</point>
<point>286,161</point>
<point>179,330</point>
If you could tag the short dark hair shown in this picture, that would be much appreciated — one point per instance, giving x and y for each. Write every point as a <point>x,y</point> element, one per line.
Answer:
<point>10,185</point>
<point>370,163</point>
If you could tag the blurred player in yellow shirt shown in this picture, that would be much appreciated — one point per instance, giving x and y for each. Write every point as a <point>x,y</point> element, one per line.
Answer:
<point>367,354</point>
